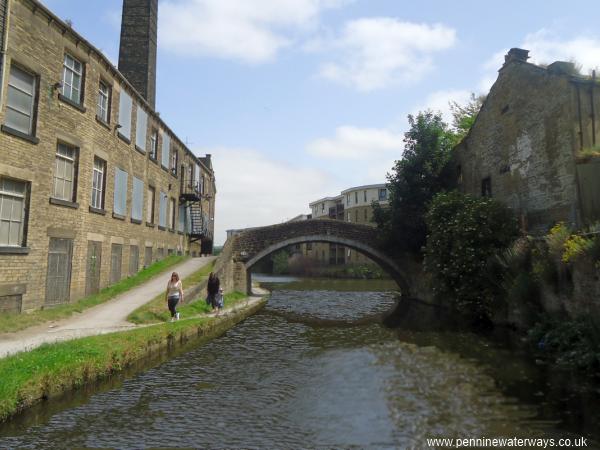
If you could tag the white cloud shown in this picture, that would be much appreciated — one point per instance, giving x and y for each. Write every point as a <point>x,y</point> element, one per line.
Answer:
<point>247,31</point>
<point>545,48</point>
<point>254,190</point>
<point>373,53</point>
<point>353,143</point>
<point>438,101</point>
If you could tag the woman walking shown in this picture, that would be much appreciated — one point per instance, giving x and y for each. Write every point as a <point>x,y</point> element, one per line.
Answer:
<point>213,289</point>
<point>174,295</point>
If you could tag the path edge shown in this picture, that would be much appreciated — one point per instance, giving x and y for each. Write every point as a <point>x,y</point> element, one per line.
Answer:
<point>154,353</point>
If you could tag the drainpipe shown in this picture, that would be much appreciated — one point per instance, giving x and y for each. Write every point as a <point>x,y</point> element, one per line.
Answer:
<point>593,111</point>
<point>578,204</point>
<point>580,119</point>
<point>3,44</point>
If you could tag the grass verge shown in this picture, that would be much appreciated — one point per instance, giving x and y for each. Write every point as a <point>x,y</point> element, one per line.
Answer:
<point>147,313</point>
<point>11,322</point>
<point>156,311</point>
<point>53,369</point>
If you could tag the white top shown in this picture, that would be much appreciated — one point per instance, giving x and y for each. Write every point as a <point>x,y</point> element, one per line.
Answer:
<point>173,288</point>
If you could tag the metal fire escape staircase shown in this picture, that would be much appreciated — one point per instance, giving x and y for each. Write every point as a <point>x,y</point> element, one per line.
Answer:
<point>197,223</point>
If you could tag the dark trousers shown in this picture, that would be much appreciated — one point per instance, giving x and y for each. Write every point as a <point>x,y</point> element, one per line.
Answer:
<point>172,302</point>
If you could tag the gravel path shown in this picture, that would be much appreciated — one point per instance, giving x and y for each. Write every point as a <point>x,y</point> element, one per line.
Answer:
<point>105,318</point>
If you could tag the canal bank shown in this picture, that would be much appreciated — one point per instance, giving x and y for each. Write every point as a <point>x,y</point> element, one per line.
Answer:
<point>51,370</point>
<point>308,371</point>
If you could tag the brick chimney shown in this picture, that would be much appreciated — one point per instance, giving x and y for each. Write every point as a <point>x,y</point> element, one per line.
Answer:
<point>516,54</point>
<point>137,52</point>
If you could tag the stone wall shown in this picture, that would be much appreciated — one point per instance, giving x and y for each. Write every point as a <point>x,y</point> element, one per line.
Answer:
<point>524,142</point>
<point>37,42</point>
<point>243,250</point>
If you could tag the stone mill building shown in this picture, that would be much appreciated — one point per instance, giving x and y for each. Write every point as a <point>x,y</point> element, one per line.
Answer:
<point>94,185</point>
<point>535,144</point>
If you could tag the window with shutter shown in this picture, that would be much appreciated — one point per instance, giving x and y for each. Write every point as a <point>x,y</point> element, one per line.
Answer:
<point>137,205</point>
<point>125,105</point>
<point>140,129</point>
<point>120,197</point>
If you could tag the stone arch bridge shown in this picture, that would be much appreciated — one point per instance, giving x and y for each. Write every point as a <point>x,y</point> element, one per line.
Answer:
<point>242,251</point>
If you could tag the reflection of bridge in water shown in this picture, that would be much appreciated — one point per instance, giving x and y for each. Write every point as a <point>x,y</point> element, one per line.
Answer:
<point>244,250</point>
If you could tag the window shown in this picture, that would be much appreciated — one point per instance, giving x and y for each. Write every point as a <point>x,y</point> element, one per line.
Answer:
<point>356,197</point>
<point>190,178</point>
<point>166,150</point>
<point>140,129</point>
<point>162,210</point>
<point>72,80</point>
<point>347,199</point>
<point>65,172</point>
<point>349,217</point>
<point>103,109</point>
<point>382,194</point>
<point>201,187</point>
<point>154,144</point>
<point>150,204</point>
<point>197,179</point>
<point>13,212</point>
<point>486,187</point>
<point>174,157</point>
<point>98,183</point>
<point>125,105</point>
<point>172,214</point>
<point>365,196</point>
<point>137,199</point>
<point>309,246</point>
<point>181,223</point>
<point>20,102</point>
<point>322,207</point>
<point>120,198</point>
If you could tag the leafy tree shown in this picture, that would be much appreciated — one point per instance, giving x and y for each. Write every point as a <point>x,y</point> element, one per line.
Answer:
<point>281,262</point>
<point>463,116</point>
<point>464,234</point>
<point>415,179</point>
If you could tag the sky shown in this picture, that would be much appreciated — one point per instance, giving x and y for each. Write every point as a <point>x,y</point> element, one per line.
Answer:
<point>300,99</point>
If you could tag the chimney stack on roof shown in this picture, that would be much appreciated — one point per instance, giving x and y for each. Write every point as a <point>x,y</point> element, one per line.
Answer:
<point>137,51</point>
<point>516,54</point>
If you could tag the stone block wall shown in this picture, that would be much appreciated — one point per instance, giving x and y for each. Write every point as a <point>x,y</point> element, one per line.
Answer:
<point>37,42</point>
<point>523,143</point>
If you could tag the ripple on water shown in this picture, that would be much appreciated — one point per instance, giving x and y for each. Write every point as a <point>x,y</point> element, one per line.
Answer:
<point>280,380</point>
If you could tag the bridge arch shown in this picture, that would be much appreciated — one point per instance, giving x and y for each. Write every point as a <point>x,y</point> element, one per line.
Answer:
<point>253,244</point>
<point>387,264</point>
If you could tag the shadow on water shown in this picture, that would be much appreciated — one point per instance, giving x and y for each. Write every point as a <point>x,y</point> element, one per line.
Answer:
<point>322,367</point>
<point>561,396</point>
<point>42,412</point>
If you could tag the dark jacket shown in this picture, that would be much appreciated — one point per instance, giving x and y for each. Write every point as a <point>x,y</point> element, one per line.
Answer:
<point>213,286</point>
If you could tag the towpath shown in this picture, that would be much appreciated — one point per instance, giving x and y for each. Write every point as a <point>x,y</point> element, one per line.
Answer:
<point>104,318</point>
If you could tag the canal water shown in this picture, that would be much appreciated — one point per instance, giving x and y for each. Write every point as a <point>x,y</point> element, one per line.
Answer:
<point>322,368</point>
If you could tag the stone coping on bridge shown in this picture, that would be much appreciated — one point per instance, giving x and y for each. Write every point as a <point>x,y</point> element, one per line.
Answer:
<point>244,250</point>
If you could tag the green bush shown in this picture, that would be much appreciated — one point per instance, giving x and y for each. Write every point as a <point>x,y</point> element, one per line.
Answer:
<point>281,262</point>
<point>570,343</point>
<point>464,234</point>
